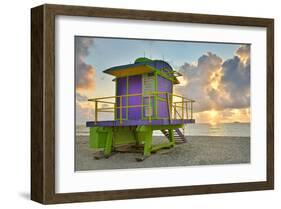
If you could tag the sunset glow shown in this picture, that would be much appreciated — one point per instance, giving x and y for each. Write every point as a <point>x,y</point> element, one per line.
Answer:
<point>223,116</point>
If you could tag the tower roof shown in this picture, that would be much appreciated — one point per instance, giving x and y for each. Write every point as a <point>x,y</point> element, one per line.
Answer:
<point>143,65</point>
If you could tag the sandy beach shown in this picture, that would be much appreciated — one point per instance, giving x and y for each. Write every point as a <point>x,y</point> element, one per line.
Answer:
<point>199,150</point>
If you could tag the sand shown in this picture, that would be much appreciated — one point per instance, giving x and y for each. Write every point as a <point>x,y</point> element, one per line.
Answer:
<point>199,150</point>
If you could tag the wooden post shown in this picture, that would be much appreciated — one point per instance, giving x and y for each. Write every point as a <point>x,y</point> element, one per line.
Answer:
<point>121,110</point>
<point>186,109</point>
<point>191,109</point>
<point>115,112</point>
<point>149,108</point>
<point>175,114</point>
<point>182,109</point>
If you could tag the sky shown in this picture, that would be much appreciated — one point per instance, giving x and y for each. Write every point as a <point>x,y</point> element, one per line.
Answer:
<point>216,75</point>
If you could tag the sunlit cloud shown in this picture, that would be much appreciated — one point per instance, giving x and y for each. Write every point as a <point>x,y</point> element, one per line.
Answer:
<point>216,84</point>
<point>85,81</point>
<point>215,79</point>
<point>244,54</point>
<point>183,81</point>
<point>85,73</point>
<point>219,87</point>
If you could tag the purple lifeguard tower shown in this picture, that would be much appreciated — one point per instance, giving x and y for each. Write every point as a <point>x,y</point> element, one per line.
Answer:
<point>144,102</point>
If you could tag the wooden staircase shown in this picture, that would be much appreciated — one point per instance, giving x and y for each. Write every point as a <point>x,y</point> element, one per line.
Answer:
<point>178,135</point>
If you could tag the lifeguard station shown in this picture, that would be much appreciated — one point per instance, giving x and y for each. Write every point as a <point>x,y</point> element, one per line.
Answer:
<point>144,102</point>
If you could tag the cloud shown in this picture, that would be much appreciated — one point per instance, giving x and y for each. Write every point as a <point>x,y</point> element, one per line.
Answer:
<point>84,109</point>
<point>85,73</point>
<point>85,80</point>
<point>236,81</point>
<point>198,79</point>
<point>244,54</point>
<point>216,84</point>
<point>80,97</point>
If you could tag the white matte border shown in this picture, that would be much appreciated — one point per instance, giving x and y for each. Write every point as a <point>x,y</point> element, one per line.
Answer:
<point>69,181</point>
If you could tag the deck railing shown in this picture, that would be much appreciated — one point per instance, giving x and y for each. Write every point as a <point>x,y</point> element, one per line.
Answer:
<point>178,106</point>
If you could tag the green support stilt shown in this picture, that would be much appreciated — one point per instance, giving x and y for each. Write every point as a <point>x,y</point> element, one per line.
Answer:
<point>147,144</point>
<point>171,137</point>
<point>108,143</point>
<point>102,137</point>
<point>144,135</point>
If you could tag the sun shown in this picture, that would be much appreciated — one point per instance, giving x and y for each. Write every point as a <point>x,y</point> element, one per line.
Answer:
<point>213,117</point>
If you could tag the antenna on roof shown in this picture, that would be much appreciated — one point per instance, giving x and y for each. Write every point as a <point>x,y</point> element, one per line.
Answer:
<point>162,62</point>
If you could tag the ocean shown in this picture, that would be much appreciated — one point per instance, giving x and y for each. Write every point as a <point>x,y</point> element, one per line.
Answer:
<point>198,129</point>
<point>221,129</point>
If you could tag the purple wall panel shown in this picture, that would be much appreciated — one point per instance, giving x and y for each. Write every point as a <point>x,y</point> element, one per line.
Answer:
<point>164,85</point>
<point>135,87</point>
<point>121,90</point>
<point>162,109</point>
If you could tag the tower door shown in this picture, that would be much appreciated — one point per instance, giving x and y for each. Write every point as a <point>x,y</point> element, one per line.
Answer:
<point>148,96</point>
